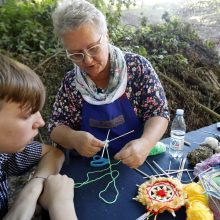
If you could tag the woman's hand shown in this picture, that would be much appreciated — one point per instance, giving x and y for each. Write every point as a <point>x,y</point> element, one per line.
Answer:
<point>83,142</point>
<point>86,144</point>
<point>134,153</point>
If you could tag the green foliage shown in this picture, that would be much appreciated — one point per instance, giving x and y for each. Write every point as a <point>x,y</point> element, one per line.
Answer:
<point>23,25</point>
<point>113,10</point>
<point>26,26</point>
<point>209,44</point>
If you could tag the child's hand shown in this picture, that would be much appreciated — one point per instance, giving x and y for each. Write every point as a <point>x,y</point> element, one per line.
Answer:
<point>57,197</point>
<point>25,204</point>
<point>58,189</point>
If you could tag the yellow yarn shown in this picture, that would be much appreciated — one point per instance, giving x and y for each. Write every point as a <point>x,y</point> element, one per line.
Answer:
<point>197,203</point>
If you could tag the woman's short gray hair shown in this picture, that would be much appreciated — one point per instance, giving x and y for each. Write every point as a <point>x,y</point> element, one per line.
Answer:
<point>71,14</point>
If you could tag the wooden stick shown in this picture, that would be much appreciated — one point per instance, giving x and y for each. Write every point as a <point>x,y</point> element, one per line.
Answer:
<point>173,172</point>
<point>48,59</point>
<point>121,136</point>
<point>106,142</point>
<point>141,172</point>
<point>169,166</point>
<point>179,176</point>
<point>181,160</point>
<point>151,167</point>
<point>161,169</point>
<point>189,176</point>
<point>144,216</point>
<point>183,170</point>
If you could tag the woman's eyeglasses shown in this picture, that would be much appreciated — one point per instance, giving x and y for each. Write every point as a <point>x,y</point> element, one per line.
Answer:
<point>91,52</point>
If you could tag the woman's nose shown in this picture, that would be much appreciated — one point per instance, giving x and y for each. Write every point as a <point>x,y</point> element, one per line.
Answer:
<point>38,121</point>
<point>87,59</point>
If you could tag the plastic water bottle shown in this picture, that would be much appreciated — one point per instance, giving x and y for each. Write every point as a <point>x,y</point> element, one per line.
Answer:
<point>177,135</point>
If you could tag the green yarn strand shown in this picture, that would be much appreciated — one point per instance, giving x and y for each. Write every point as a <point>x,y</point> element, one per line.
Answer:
<point>114,175</point>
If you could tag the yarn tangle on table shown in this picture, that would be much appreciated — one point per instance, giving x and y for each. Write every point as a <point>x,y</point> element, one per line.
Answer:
<point>114,174</point>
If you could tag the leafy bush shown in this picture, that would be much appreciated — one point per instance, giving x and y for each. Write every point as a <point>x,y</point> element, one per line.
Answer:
<point>174,49</point>
<point>25,27</point>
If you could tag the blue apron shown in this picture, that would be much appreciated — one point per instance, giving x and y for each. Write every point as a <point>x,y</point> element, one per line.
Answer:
<point>118,116</point>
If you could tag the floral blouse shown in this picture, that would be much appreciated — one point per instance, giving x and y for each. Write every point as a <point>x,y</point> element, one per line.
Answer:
<point>144,91</point>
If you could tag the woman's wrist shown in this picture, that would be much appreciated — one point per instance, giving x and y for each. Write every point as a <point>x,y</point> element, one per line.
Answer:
<point>75,136</point>
<point>146,145</point>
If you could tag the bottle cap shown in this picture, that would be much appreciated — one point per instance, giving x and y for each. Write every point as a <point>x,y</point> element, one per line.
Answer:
<point>179,111</point>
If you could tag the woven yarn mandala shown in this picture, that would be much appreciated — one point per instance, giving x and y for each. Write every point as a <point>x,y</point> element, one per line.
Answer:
<point>161,194</point>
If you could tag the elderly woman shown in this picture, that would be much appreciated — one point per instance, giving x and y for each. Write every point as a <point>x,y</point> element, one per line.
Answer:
<point>108,91</point>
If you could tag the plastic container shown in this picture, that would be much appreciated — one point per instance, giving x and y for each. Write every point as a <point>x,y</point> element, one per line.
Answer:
<point>177,135</point>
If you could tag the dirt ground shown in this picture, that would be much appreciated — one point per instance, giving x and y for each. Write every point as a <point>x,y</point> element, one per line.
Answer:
<point>203,15</point>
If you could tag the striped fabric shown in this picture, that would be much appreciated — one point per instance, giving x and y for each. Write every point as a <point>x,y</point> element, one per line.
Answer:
<point>15,165</point>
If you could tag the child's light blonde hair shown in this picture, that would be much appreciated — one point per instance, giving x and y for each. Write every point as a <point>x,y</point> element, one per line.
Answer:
<point>20,84</point>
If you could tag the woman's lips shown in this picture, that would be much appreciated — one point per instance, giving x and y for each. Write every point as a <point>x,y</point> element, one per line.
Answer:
<point>90,67</point>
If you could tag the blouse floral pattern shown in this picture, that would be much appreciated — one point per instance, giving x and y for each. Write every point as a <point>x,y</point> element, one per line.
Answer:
<point>144,91</point>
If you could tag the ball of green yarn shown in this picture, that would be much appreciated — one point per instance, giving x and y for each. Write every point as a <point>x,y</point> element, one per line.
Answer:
<point>158,149</point>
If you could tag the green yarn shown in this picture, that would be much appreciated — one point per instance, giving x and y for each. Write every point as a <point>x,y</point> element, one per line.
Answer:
<point>158,149</point>
<point>111,173</point>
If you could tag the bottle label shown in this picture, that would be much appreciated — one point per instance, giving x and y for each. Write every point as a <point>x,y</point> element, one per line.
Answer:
<point>177,144</point>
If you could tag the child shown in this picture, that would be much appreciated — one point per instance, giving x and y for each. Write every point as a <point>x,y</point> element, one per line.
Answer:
<point>22,96</point>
